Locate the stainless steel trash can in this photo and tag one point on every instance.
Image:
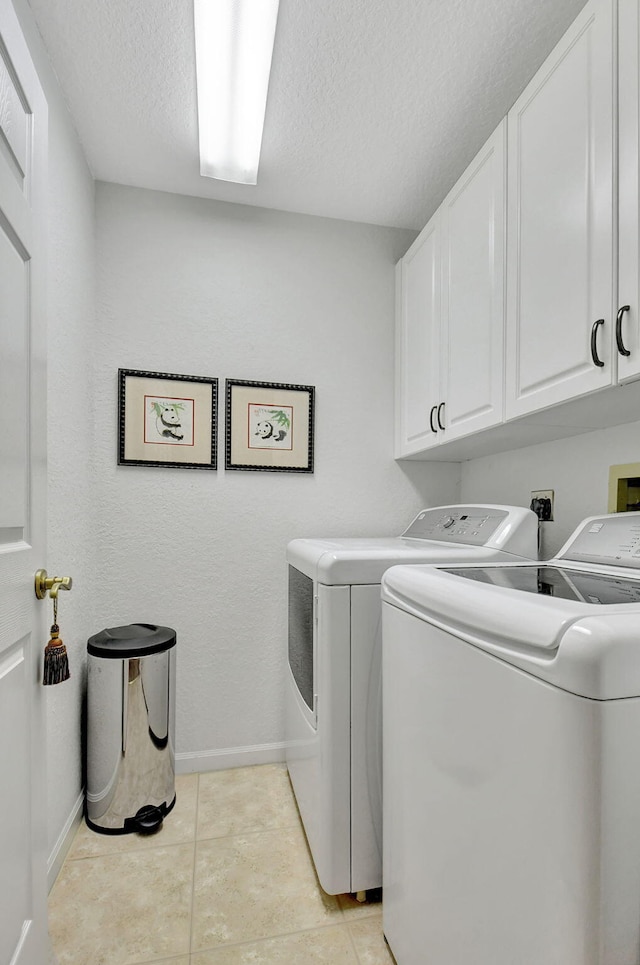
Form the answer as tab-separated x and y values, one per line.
130	728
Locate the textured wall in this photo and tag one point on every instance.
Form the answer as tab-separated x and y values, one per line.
71	548
577	469
207	288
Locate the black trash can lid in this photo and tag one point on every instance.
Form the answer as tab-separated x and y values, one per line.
134	640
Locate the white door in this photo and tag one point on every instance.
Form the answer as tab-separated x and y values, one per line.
473	256
627	334
417	343
23	153
560	221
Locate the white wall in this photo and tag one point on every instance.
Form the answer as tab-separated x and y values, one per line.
206	288
71	546
577	469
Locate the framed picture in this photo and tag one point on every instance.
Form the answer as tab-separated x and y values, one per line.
269	426
166	420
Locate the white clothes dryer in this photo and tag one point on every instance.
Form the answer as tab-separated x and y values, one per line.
333	682
512	757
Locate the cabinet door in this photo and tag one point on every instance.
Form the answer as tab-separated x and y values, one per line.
417	357
627	335
473	255
560	221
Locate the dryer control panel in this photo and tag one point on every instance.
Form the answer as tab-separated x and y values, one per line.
474	525
613	540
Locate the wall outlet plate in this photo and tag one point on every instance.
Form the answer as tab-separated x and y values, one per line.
542	504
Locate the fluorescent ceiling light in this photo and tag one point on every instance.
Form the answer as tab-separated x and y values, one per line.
234	44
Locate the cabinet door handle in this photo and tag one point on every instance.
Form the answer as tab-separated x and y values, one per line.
594	348
621	346
440	408
431	414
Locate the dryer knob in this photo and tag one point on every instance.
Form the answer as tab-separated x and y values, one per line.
448	523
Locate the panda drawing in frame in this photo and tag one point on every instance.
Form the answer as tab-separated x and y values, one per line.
267	430
270	427
169	421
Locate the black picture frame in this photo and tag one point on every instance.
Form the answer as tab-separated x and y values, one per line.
166	420
269	426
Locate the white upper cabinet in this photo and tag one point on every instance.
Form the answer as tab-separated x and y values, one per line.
472	333
477	374
560	262
417	354
451	312
627	323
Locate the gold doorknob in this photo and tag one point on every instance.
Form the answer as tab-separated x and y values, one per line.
50	584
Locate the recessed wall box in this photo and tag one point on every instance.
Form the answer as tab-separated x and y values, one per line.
624	488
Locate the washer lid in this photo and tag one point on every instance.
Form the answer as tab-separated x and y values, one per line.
477	609
587	647
585	586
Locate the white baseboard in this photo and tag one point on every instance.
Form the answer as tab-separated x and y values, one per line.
62	845
220	760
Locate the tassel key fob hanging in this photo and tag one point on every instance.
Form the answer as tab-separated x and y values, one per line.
56	661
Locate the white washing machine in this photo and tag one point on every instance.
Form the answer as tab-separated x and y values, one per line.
512	757
333	684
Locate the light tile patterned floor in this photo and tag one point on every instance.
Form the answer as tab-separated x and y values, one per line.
228	880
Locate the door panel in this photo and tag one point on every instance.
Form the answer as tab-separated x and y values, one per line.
14	760
14	119
13	388
23	139
473	293
629	188
417	349
560	204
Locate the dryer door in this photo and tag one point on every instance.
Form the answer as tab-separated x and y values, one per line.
301	625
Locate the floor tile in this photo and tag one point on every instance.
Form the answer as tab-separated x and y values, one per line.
123	909
323	946
127	900
256	886
179	826
245	799
369	942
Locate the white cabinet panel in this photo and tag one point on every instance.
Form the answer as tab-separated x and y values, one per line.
628	321
417	353
451	312
473	257
560	221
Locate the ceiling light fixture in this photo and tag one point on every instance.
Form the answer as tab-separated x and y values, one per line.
234	45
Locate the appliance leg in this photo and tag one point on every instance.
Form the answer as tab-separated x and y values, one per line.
361	896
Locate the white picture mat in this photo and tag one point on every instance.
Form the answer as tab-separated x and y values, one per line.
136	388
242	396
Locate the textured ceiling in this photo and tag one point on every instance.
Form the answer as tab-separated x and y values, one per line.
375	106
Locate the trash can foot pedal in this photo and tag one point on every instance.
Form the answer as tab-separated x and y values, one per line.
147	820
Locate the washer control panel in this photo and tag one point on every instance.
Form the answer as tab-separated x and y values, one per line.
474	525
614	540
